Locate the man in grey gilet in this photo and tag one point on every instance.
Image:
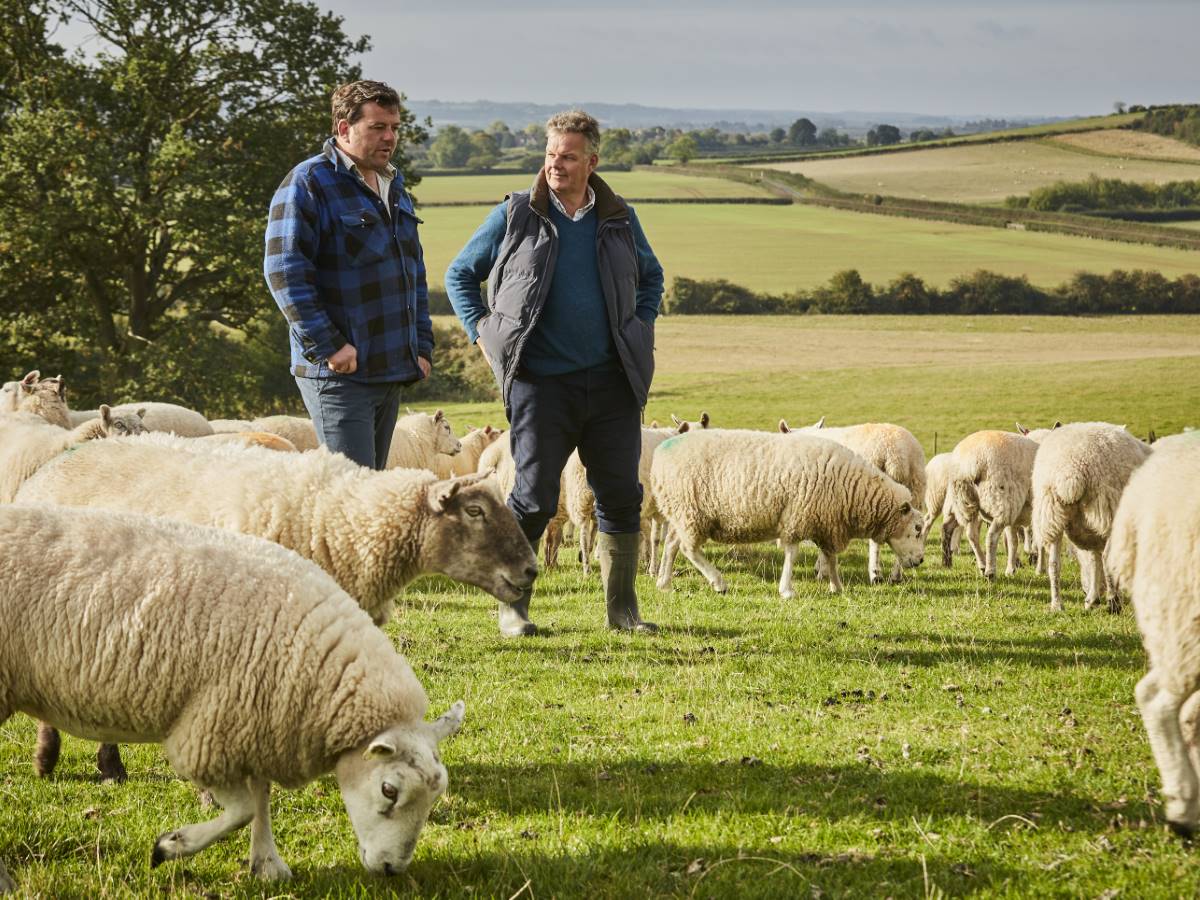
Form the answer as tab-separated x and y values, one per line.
568	329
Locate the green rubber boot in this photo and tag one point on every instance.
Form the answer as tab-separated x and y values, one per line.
618	570
514	617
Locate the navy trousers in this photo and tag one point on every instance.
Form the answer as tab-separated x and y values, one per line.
594	410
351	418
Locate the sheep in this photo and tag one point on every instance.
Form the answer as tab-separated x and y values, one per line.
937	489
298	430
497	458
170	418
45	398
1153	555
26	447
799	488
1078	475
993	482
372	531
229	426
466	461
418	439
890	448
264	439
247	663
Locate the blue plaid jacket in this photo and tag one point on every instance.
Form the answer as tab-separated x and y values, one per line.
341	271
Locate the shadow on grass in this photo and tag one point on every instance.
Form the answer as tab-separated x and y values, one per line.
1122	652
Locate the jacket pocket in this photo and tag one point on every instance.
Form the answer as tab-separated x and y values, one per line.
364	237
638	337
513	296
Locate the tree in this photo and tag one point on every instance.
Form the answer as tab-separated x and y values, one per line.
451	148
778	135
485	151
135	181
682	149
802	133
883	136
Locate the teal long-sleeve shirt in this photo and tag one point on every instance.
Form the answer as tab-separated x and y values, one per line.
572	332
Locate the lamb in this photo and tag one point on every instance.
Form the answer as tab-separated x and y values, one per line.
247	663
890	448
466	461
497	458
1153	555
165	417
993	482
800	488
418	439
372	531
26	447
937	489
298	430
1078	476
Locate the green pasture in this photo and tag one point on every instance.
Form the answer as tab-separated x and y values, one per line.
641	183
785	248
941	737
981	173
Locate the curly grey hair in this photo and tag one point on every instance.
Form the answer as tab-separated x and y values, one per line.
576	121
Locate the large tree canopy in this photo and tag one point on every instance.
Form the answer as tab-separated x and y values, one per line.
135	175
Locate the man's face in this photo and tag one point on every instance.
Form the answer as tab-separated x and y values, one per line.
371	140
568	163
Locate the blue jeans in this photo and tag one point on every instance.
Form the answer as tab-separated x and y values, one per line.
354	419
594	410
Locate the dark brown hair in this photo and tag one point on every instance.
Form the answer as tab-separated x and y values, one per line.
349	99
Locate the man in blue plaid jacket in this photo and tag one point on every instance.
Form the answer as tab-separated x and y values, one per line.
344	263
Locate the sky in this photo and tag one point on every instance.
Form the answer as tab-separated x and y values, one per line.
964	58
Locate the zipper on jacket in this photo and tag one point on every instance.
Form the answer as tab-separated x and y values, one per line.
543	290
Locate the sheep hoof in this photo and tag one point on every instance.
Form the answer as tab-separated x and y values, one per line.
1114	605
1185	830
788	594
270	868
990	576
721	588
875	578
160	854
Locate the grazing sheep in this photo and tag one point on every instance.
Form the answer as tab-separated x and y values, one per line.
1078	475
247	663
26	447
1153	555
372	531
993	482
497	458
937	490
890	448
297	429
418	439
466	461
263	439
169	418
799	488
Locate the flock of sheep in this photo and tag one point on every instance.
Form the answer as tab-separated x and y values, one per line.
286	557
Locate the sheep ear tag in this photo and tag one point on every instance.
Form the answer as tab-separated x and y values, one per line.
449	722
380	747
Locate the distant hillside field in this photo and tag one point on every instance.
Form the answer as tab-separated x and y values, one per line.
783	248
985	173
1131	144
637	184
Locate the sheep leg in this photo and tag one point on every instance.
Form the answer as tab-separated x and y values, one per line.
874	566
49	745
1189	723
697	558
1040	567
238	806
951	535
265	861
993	541
786	591
1091	576
1053	551
108	761
667	569
830	564
1011	545
973	540
585	547
653	536
553	542
1181	788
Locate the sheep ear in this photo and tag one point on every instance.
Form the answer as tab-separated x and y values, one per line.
653	423
820	423
438	416
675	419
905	508
1021	429
1151	437
448	723
1056	425
703	420
380	748
141	412
684	428
783	426
106	414
62	386
441	493
31	378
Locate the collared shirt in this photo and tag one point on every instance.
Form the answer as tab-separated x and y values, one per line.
579	213
384	178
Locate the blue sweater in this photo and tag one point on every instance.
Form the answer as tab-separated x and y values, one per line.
572	332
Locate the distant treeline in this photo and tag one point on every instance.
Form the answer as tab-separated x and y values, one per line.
1174	201
1181	122
982	293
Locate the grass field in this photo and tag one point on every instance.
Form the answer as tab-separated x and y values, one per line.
641	183
942	737
1130	144
784	248
985	173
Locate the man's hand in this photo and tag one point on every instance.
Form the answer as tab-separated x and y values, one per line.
425	365
345	361
486	358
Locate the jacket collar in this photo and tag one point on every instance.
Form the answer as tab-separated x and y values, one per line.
608	204
330	152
